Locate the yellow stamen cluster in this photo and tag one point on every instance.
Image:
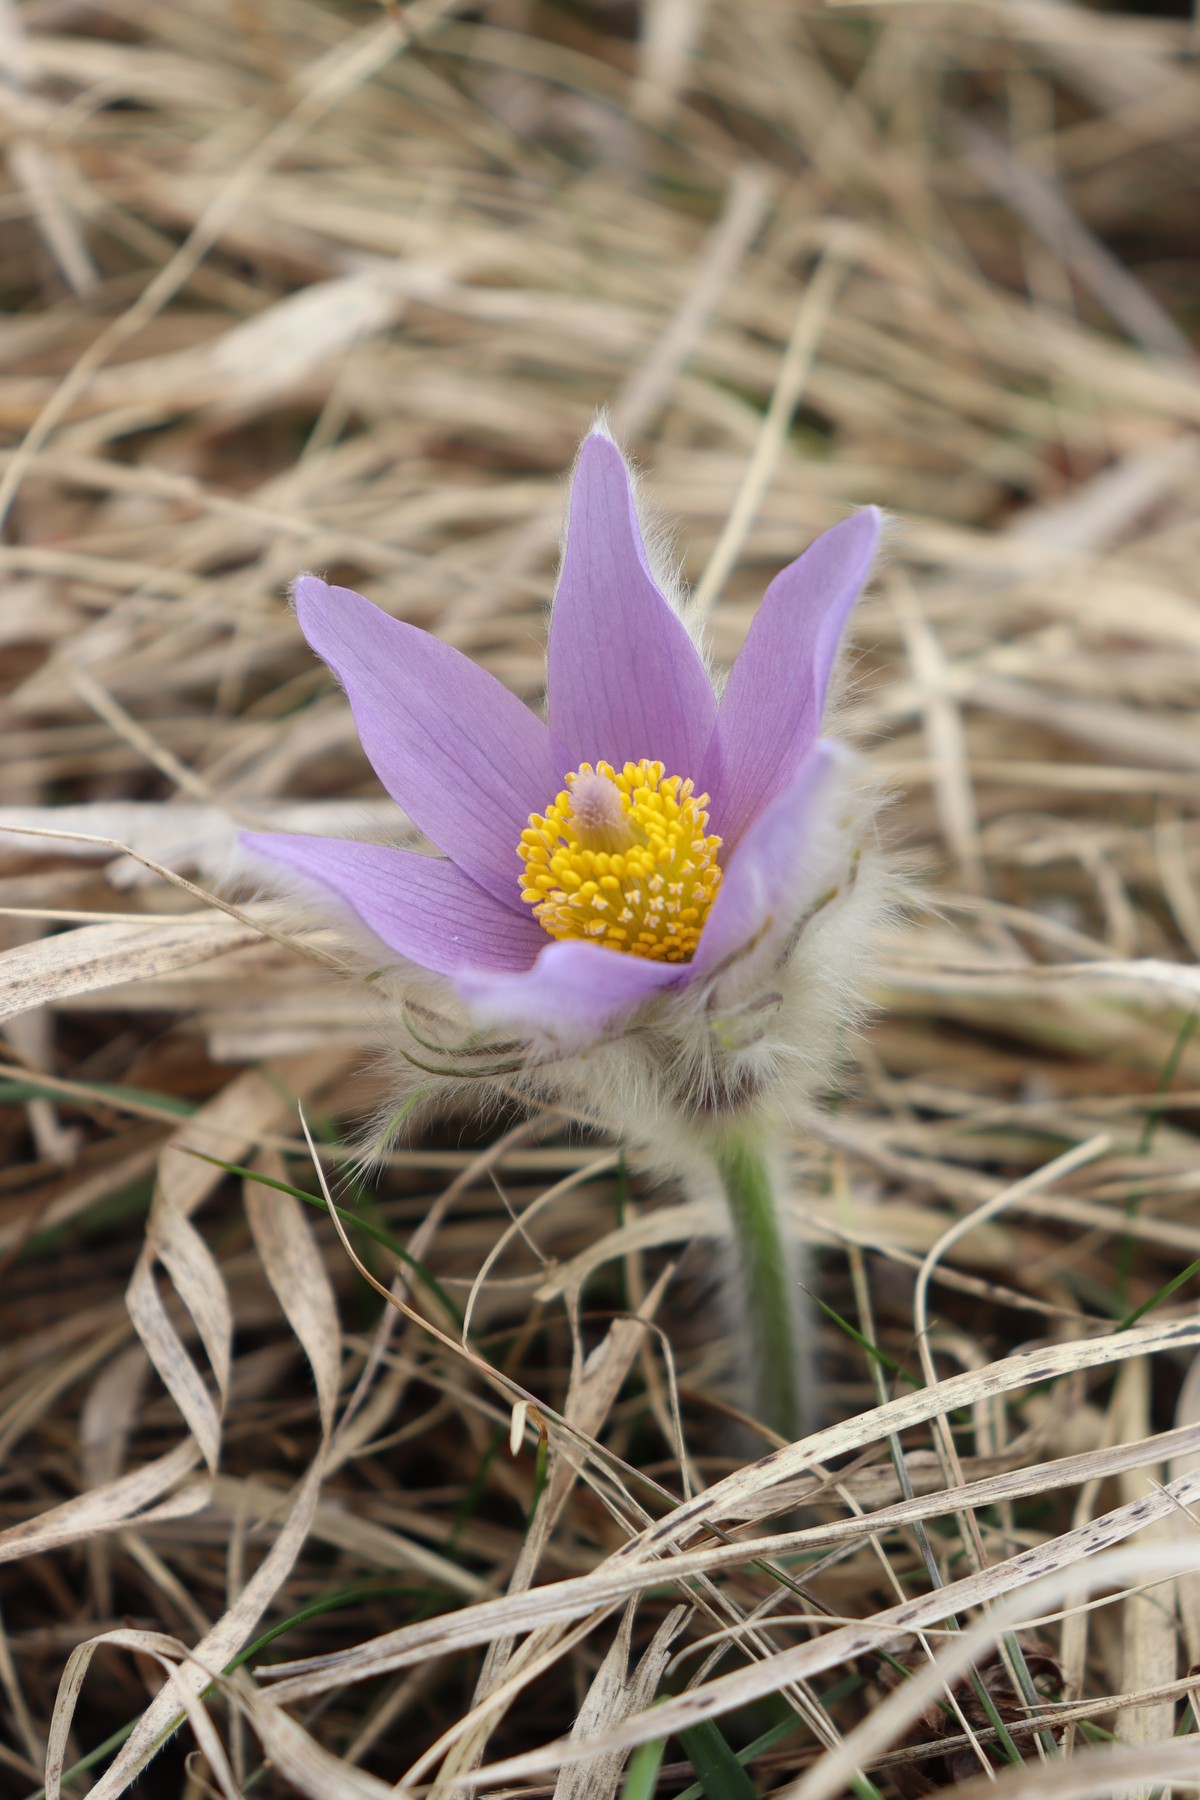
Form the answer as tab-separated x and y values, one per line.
622	858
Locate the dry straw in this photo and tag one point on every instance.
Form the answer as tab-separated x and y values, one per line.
302	285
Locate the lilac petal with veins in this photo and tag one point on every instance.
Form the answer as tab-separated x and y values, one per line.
573	994
771	709
776	871
625	679
420	906
464	758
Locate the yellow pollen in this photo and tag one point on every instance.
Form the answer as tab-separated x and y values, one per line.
622	858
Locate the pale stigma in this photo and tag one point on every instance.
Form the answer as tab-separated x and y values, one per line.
597	815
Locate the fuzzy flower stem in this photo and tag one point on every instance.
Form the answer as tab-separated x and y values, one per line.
771	1294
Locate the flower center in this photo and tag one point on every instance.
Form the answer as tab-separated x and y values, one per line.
622	858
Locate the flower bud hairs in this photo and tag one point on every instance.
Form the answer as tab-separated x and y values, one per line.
653	908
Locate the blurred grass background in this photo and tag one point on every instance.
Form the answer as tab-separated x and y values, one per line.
300	285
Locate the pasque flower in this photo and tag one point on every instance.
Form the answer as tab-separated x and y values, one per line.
654	901
615	864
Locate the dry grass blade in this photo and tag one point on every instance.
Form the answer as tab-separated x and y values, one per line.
1114	1568
615	1693
1150	1627
595	1385
1039	1586
169	1656
641	1562
113	1505
98	956
1094	1775
299	1281
1189	1589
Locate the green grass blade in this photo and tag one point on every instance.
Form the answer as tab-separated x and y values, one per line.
1164	1293
864	1343
720	1773
641	1780
778	1734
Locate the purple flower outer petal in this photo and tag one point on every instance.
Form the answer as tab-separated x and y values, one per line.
463	757
775	872
420	906
574	993
771	708
625	680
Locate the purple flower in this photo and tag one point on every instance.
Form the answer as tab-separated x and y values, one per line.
620	861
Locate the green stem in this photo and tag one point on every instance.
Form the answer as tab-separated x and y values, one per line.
770	1289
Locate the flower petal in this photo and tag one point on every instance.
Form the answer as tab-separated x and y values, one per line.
463	757
574	992
625	679
778	868
771	708
420	906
